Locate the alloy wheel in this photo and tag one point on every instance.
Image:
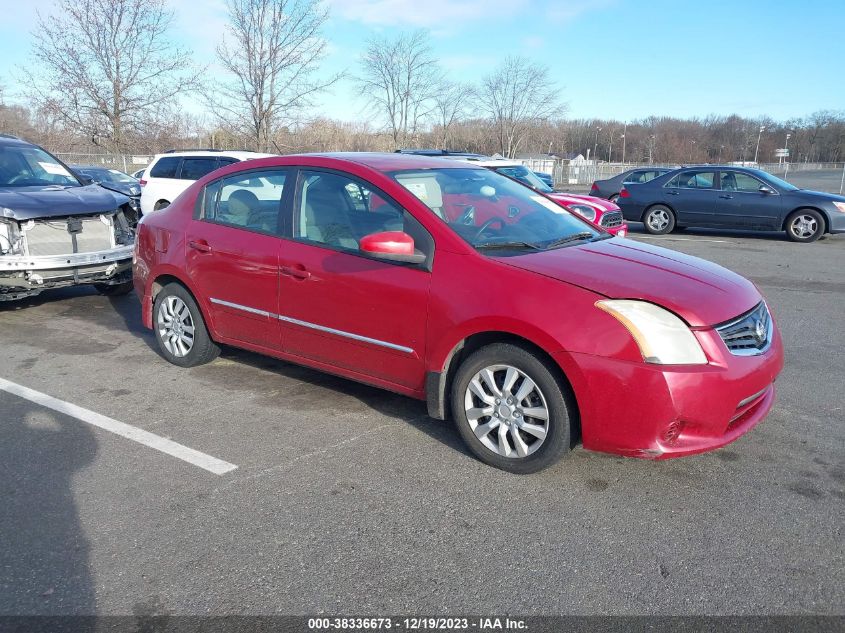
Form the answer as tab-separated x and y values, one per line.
804	226
658	219
175	326
507	411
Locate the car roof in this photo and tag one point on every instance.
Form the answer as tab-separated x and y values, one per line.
239	154
8	139
391	162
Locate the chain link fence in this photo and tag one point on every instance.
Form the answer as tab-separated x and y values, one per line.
125	163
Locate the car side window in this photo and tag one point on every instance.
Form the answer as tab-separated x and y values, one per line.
635	177
737	181
248	200
693	180
222	162
338	211
165	167
196	168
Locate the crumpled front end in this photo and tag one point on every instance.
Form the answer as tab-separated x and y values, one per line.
53	252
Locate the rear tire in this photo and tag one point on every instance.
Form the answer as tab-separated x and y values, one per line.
180	329
114	290
511	409
614	198
659	220
804	226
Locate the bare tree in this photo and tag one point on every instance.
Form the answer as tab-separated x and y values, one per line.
106	67
399	78
271	54
450	103
516	96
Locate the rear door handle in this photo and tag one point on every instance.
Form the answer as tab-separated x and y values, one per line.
200	245
727	197
297	273
672	193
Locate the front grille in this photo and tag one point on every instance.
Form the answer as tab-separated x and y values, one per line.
748	334
611	220
51	237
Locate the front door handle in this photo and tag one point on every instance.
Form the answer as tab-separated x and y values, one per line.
295	272
200	245
672	193
727	197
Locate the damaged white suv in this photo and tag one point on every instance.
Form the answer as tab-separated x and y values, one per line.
57	231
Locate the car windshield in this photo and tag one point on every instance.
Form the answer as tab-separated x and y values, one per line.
23	166
107	175
490	211
525	175
774	180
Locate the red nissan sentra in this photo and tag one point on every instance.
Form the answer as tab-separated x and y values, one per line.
525	323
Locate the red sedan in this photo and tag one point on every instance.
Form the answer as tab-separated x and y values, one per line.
526	324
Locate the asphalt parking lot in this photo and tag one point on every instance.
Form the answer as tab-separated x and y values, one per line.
349	500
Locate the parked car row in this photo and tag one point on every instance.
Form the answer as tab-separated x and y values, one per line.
512	309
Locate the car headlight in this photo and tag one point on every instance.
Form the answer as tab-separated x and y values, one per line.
10	238
662	337
840	206
584	211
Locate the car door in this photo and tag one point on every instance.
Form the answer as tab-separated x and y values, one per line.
692	194
232	254
742	204
340	306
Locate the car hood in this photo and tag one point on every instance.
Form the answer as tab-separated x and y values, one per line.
700	292
816	195
29	203
131	189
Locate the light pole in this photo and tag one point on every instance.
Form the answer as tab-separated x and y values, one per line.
610	147
651	150
596	144
624	132
691	146
721	147
757	149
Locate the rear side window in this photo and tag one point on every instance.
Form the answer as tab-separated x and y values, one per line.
249	200
693	180
635	177
196	168
165	167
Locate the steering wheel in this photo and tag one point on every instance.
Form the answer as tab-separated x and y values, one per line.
487	225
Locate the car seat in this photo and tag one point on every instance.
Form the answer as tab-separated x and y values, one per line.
325	214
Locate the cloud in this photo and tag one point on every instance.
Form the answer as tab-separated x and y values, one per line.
569	10
423	13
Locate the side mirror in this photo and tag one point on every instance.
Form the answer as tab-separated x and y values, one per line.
85	180
765	189
395	246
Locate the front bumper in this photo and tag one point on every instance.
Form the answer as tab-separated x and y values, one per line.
657	412
22	276
837	222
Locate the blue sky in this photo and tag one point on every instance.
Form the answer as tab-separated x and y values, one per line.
623	59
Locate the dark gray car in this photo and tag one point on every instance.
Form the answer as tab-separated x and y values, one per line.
610	187
732	197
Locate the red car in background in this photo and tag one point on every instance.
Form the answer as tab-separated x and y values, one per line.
455	285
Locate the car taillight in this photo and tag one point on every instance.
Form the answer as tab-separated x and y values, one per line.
624	193
142	182
595	187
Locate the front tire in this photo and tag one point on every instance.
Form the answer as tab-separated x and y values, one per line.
161	204
804	226
659	220
510	409
180	329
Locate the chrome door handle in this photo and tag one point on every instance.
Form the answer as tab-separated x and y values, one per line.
727	197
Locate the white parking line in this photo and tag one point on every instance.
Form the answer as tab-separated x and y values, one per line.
174	449
678	239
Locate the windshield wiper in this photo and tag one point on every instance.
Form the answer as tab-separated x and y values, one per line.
508	245
584	235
